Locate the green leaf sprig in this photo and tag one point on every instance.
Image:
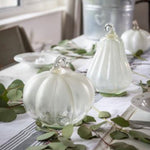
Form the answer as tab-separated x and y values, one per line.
124	134
145	86
66	46
56	138
138	55
114	94
9	104
59	137
49	67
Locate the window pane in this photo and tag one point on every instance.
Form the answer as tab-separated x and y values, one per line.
8	3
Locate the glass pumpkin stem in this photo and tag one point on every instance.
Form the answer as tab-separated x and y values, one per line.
111	32
135	25
109	28
60	61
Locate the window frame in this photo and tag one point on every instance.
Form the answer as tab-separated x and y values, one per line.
29	6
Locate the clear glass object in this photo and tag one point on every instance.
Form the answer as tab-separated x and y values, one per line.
110	71
59	96
97	13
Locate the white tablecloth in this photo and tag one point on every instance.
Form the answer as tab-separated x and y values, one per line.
23	123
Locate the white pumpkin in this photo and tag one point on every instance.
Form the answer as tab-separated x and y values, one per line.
110	71
136	39
59	96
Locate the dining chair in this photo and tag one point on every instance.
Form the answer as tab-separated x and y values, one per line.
13	41
148	2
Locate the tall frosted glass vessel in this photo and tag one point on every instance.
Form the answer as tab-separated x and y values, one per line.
97	13
109	70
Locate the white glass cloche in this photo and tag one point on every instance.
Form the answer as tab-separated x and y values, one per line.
110	71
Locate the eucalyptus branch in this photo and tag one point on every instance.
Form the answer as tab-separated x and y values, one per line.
17	87
102	139
141	75
15	105
95	109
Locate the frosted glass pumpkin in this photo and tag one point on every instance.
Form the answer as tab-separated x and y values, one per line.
136	39
109	70
59	96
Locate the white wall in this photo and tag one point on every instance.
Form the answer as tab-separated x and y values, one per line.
46	28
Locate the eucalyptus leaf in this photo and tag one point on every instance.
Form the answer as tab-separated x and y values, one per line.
45	130
3	102
19	109
17	84
104	114
97	126
3	96
88	119
57	146
63	52
80	51
79	123
84	132
41	147
143	86
45	68
42	128
122	146
46	136
7	115
66	142
79	147
67	131
2	89
140	136
118	135
114	94
53	126
63	42
121	121
38	123
139	52
148	83
53	46
92	52
71	66
14	94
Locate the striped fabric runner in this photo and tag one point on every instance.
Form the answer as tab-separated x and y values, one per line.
27	137
23	139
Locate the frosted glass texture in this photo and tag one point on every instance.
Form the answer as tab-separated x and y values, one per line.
109	70
59	96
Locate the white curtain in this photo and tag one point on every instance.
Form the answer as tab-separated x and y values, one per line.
73	19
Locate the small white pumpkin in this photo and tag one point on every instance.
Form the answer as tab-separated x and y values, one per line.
59	96
136	39
110	71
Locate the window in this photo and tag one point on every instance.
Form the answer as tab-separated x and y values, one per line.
9	8
8	3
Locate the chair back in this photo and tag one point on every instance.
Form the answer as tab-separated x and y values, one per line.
12	42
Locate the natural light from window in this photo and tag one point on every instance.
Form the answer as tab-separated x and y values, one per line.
8	3
10	8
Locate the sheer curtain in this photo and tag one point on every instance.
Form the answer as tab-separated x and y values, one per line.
73	19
